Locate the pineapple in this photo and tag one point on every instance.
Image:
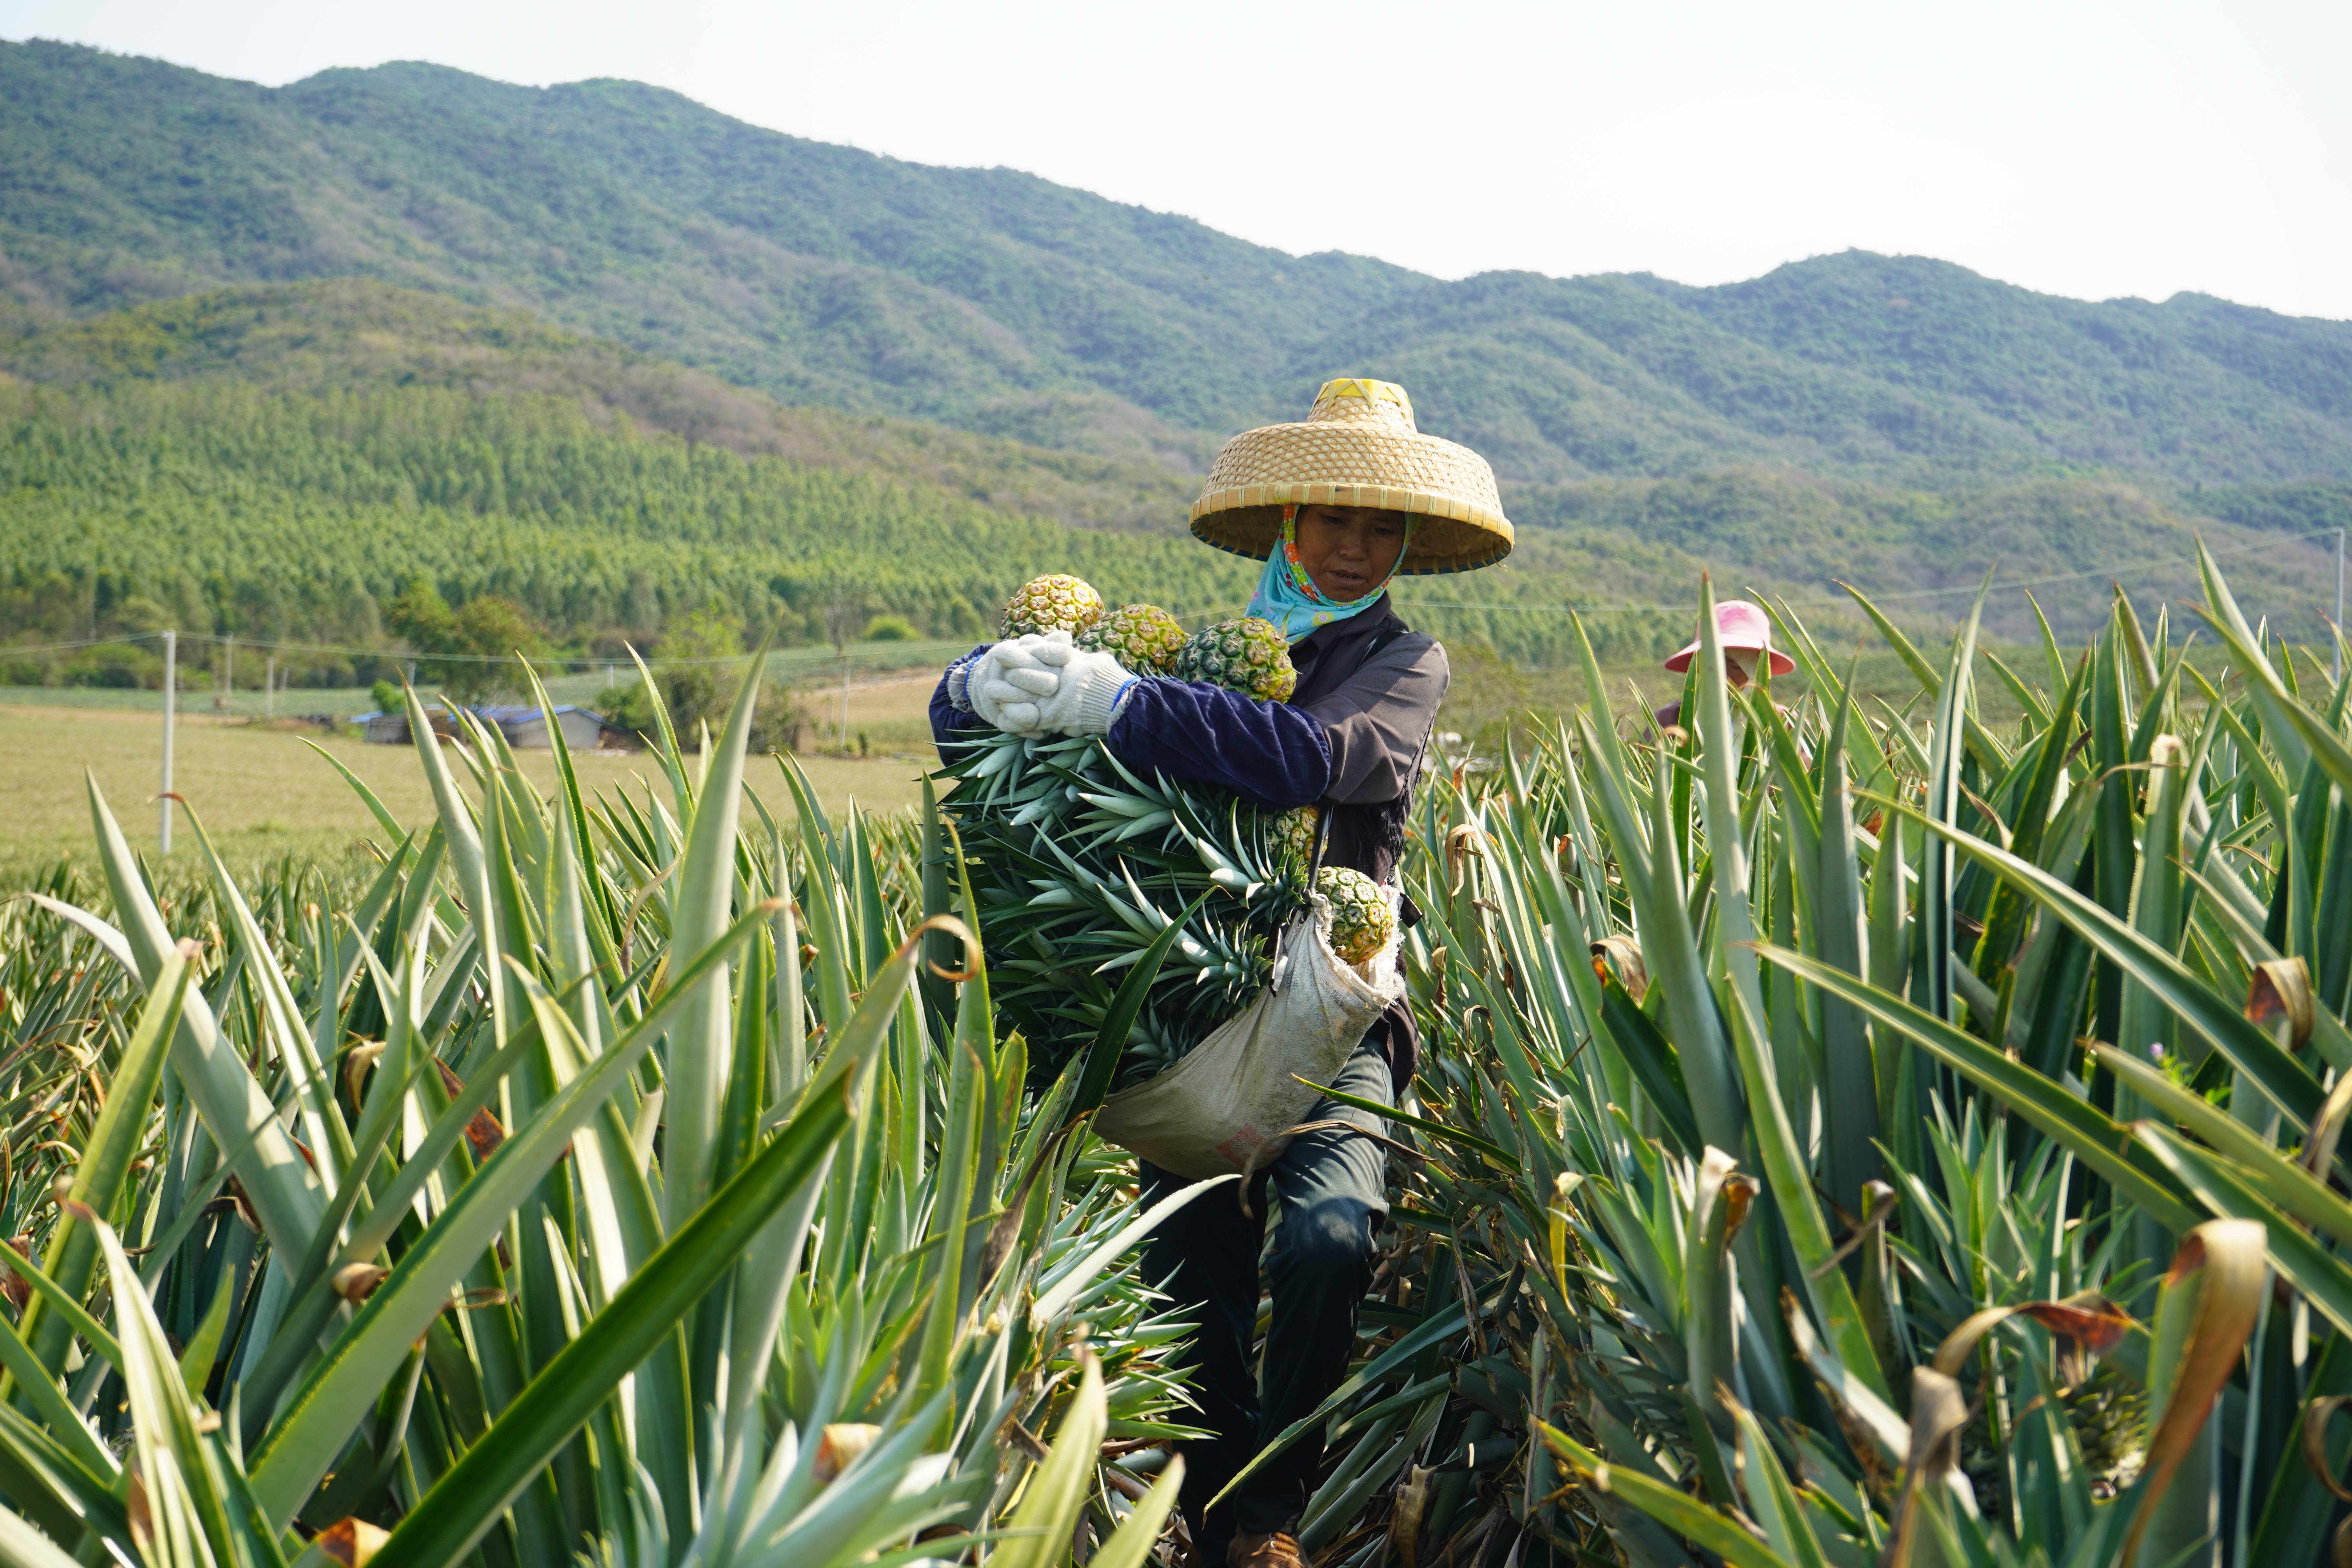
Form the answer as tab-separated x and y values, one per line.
1144	638
1248	656
1057	602
1292	839
1361	920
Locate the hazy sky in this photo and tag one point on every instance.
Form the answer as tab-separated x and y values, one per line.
2082	148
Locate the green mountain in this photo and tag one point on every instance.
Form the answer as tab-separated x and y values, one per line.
614	354
1003	304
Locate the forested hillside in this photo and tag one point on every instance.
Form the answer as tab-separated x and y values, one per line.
1000	303
356	334
301	517
283	462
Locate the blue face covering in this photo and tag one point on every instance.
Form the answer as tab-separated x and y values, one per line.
1287	596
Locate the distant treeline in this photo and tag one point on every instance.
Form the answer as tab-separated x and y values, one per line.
304	517
298	517
222	511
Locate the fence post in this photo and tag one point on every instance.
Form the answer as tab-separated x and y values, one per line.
171	705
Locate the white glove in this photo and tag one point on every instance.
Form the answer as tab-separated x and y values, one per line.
1007	684
1086	698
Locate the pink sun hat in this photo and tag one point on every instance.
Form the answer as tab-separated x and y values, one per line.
1743	627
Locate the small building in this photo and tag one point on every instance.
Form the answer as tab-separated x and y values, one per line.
526	728
383	729
391	729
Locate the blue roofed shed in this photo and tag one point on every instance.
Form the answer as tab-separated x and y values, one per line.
526	728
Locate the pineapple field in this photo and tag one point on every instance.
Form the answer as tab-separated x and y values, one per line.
1848	1133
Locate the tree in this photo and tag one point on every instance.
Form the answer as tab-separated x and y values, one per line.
487	634
697	674
420	617
470	651
844	617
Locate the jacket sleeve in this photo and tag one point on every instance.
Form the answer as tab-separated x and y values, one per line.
1360	742
951	708
1377	724
1265	752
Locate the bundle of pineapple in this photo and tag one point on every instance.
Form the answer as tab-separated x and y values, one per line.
1079	863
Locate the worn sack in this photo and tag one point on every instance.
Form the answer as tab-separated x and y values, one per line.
1225	1104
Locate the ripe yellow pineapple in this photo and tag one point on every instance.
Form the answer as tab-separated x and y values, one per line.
1144	638
1294	839
1057	602
1248	656
1361	920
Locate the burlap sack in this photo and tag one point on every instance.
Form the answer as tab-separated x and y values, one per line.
1234	1093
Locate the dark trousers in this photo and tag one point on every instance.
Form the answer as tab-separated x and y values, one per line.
1332	1198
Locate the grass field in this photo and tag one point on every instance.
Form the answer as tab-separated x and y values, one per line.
263	793
814	671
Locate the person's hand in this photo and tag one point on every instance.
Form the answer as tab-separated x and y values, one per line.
1010	681
1085	699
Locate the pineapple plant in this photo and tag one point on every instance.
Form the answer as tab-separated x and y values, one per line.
1248	656
903	1344
882	1371
1361	920
1144	638
1055	603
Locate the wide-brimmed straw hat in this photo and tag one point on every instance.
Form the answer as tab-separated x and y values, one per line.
1358	446
1740	627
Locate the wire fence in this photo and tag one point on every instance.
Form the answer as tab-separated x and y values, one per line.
2130	569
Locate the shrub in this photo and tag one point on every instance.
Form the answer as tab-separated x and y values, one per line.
628	709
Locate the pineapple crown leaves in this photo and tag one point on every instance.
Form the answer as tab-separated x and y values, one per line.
1226	867
1081	859
984	757
1159	921
1160	788
1040	805
1128	806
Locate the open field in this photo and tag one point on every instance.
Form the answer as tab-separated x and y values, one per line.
816	671
263	793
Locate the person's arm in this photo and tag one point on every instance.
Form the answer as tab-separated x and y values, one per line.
951	705
1265	752
1357	744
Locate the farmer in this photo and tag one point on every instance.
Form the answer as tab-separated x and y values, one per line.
1336	506
1746	633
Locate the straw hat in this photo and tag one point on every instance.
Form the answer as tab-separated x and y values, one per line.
1740	627
1358	446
